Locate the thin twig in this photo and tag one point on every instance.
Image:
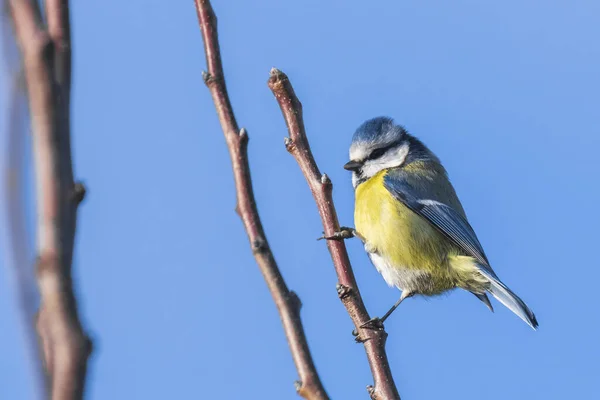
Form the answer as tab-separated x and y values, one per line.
15	239
288	304
47	72
321	188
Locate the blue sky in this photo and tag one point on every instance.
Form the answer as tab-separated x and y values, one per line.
506	93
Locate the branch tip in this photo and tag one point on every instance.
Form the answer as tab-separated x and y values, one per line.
274	72
277	79
325	180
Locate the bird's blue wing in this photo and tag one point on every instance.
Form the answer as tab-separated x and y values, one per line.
430	194
443	217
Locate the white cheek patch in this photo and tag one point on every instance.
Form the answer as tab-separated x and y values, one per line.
401	154
391	159
370	169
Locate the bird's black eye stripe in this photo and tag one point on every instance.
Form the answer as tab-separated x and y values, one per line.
382	150
377	153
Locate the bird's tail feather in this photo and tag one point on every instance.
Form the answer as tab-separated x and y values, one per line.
506	296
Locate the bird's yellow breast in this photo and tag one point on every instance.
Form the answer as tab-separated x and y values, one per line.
403	238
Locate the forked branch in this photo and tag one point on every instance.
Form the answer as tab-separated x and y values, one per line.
321	188
46	57
288	304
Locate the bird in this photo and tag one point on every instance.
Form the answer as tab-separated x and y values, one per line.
412	224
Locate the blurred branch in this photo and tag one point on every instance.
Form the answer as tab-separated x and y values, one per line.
46	56
288	304
15	240
321	188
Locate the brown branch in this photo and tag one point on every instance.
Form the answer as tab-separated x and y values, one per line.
321	188
288	304
59	29
47	71
17	244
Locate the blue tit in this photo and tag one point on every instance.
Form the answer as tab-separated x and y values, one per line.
413	226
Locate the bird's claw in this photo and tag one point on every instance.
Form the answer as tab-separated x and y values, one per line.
374	323
357	337
342	234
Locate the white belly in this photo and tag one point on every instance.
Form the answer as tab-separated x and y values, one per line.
401	277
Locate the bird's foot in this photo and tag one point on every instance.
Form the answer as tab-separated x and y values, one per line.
375	323
342	234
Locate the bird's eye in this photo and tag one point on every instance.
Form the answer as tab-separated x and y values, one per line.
377	153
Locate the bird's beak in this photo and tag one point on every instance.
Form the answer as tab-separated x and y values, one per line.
352	165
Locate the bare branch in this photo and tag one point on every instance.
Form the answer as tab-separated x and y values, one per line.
384	387
65	345
288	304
16	242
59	28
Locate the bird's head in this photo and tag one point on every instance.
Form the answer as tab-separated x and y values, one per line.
378	144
